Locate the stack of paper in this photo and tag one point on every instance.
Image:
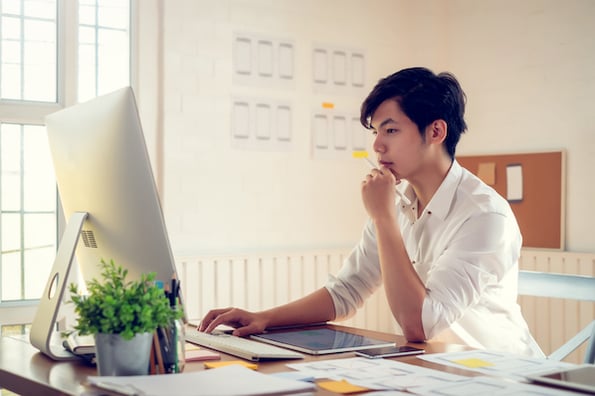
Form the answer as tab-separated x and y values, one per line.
230	380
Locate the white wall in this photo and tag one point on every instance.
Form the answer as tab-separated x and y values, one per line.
527	68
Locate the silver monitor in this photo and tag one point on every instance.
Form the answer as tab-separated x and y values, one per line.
110	202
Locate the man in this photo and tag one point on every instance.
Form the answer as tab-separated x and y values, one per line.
446	249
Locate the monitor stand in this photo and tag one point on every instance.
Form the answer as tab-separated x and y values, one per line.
43	334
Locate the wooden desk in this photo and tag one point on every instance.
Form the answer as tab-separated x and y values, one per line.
24	370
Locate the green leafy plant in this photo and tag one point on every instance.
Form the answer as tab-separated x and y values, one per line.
116	306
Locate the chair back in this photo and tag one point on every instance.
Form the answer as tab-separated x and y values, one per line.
574	287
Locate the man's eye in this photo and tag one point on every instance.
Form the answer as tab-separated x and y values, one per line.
374	133
391	130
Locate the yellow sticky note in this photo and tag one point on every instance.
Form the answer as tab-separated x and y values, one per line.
473	363
230	362
340	387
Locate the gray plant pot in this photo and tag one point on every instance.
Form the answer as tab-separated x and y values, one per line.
117	356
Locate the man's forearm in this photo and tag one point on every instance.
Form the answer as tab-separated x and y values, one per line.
313	308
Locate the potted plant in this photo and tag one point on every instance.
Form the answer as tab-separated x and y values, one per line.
122	316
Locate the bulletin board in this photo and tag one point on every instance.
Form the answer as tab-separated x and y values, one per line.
534	185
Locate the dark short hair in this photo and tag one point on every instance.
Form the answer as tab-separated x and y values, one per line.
424	97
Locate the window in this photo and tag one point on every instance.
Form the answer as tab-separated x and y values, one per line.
35	52
104	47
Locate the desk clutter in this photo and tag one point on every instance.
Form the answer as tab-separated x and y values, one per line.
501	375
444	370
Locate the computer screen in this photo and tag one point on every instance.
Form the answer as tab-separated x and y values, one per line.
103	170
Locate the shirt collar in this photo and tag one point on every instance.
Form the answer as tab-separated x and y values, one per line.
440	203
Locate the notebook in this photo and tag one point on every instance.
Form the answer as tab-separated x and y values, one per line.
320	341
79	344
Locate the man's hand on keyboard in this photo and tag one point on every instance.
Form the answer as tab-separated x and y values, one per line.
244	322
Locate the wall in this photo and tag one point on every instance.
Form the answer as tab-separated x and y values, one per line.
529	68
526	67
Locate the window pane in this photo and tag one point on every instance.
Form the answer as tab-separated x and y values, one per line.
11	28
40	8
11	52
38	263
11	81
39	67
36	30
40	230
29	50
104	49
10	166
39	182
11	6
11	232
87	72
87	14
40	84
113	66
87	36
113	14
11	276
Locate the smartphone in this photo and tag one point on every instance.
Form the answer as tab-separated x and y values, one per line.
390	351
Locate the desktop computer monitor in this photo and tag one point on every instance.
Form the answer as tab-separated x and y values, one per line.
109	198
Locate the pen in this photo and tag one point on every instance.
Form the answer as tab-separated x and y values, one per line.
173	292
369	161
405	200
173	298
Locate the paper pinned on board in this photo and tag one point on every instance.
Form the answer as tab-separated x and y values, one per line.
514	182
486	171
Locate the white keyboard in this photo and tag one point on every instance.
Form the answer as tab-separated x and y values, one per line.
238	346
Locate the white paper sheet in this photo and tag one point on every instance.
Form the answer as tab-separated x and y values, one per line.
489	386
496	363
229	380
514	182
376	374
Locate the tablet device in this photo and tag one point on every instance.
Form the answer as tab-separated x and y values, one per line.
387	352
320	341
581	378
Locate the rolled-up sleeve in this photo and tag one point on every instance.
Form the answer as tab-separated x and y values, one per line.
478	257
358	278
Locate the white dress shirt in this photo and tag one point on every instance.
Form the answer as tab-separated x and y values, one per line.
465	248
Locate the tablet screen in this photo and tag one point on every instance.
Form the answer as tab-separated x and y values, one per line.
580	378
321	341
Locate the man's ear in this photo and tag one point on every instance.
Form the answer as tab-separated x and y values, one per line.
438	131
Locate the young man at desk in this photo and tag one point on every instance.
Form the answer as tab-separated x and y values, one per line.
444	244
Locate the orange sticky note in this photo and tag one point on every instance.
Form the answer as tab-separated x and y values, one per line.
210	365
342	387
473	363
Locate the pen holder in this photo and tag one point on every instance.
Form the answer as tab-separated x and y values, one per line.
169	343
